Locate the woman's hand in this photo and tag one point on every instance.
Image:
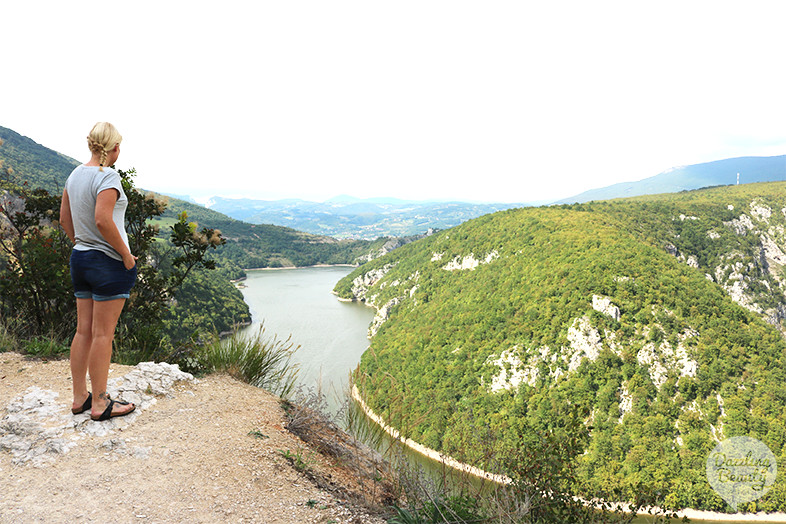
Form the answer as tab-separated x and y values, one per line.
129	261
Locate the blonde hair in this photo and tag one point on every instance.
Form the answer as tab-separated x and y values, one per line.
102	139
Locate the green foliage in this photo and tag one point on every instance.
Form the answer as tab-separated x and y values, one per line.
163	268
257	434
451	510
45	347
430	366
32	163
203	303
296	458
255	359
34	275
264	245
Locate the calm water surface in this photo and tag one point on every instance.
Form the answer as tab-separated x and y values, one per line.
331	334
298	302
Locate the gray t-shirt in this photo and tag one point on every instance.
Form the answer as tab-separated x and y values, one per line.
83	186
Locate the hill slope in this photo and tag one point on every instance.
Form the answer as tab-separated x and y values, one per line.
38	165
654	320
721	172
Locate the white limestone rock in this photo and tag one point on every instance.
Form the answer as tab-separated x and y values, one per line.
626	401
361	284
604	305
662	358
741	225
382	315
585	342
38	427
469	262
516	368
761	212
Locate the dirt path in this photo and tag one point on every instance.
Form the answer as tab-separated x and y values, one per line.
212	450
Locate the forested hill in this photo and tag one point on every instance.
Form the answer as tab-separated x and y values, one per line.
30	161
657	322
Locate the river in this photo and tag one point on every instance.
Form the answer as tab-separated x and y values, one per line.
332	334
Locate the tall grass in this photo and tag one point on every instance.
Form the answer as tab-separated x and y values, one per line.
8	341
256	359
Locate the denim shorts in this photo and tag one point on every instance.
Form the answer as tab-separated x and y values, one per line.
96	275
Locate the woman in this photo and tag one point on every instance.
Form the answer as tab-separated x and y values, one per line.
103	270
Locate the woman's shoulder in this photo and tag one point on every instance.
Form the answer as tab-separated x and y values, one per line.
93	177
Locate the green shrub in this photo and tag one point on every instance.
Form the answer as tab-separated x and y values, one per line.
45	347
255	359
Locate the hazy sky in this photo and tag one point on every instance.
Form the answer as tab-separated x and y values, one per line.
510	101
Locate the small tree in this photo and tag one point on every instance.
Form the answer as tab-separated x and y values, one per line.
34	275
162	266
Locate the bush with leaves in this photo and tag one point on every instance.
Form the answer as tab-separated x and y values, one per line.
34	275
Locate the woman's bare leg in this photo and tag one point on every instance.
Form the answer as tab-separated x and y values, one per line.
80	350
105	316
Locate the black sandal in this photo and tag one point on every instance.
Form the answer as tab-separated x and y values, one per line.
107	414
87	405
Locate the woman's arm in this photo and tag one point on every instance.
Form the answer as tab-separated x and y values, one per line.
105	205
66	220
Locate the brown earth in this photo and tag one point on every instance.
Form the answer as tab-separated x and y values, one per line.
216	451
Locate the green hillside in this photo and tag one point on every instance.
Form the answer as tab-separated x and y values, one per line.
657	320
266	245
34	163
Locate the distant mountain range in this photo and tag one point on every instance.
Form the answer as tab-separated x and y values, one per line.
349	217
718	173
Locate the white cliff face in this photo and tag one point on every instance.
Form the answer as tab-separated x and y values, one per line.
513	371
517	365
362	283
467	262
382	315
683	218
585	342
757	275
761	212
772	254
604	305
661	358
626	401
384	311
741	225
717	431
